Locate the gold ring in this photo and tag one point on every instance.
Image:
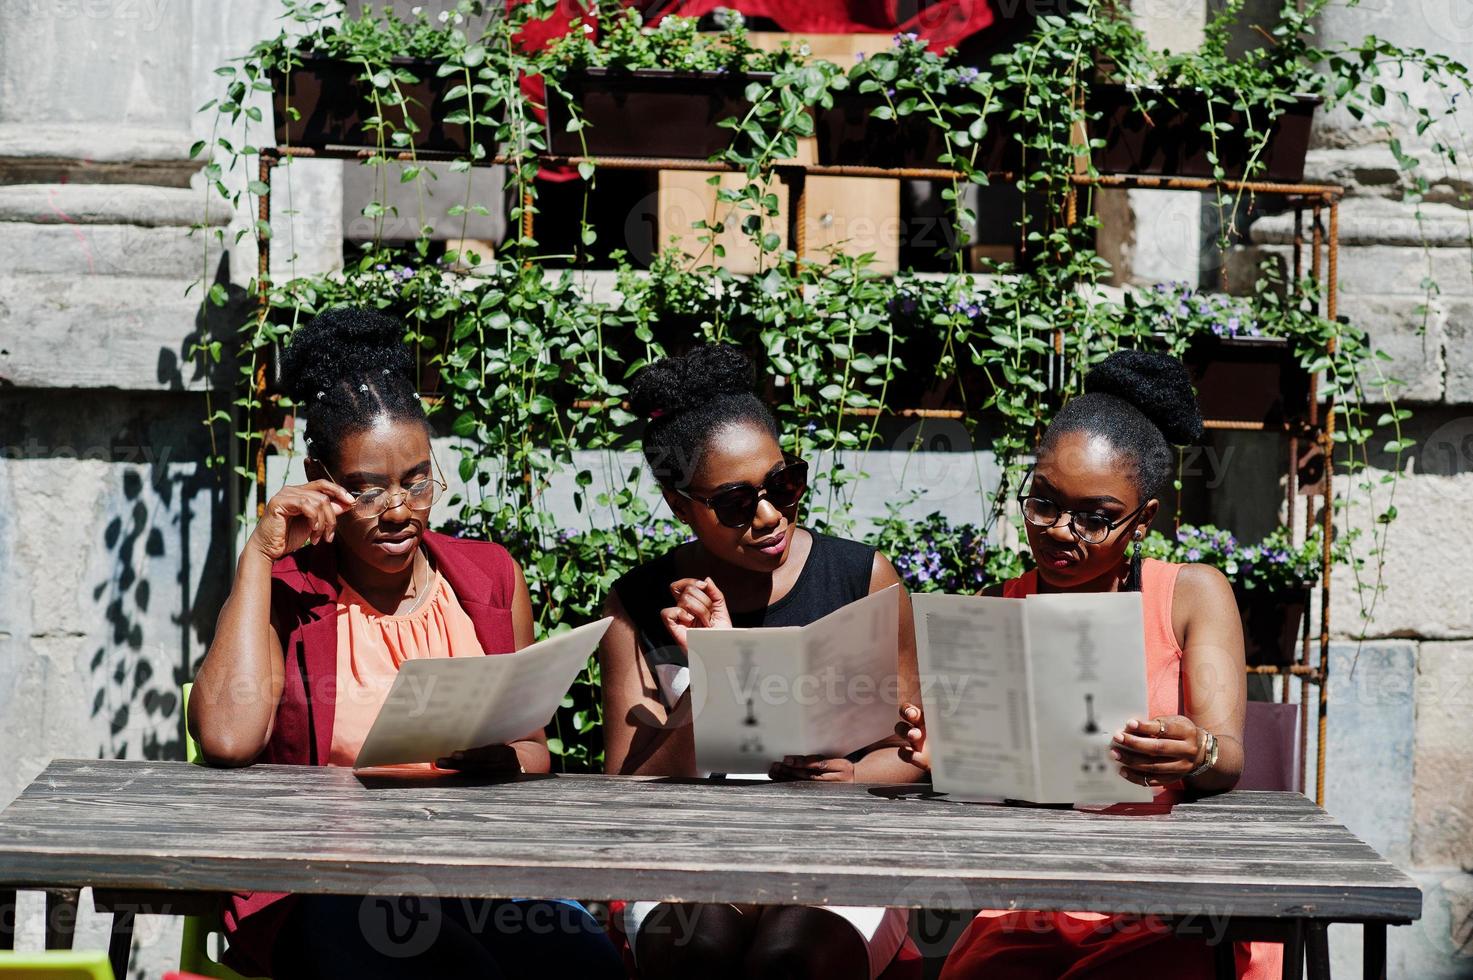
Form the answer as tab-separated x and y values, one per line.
1162	733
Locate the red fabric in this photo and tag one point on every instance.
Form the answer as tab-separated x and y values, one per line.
304	592
1027	945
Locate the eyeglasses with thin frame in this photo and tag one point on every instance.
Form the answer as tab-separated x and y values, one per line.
373	501
1089	528
736	506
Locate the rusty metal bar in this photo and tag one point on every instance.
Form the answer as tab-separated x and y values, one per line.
1146	182
584	405
1298	242
1327	436
1287	670
254	414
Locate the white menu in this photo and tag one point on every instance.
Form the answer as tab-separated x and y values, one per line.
1029	693
450	704
828	688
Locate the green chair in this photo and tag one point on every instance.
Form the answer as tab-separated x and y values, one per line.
194	945
55	964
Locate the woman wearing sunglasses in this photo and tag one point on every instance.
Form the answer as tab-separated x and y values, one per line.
339	583
713	446
1102	465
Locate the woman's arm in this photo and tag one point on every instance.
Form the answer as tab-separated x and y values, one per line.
531	749
641	737
232	706
888	760
1214	685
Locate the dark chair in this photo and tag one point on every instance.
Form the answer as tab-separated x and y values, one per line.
1271	747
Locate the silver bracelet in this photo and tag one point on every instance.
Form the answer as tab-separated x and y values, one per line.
1210	759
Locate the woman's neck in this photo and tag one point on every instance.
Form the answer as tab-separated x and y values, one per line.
1112	581
745	589
387	591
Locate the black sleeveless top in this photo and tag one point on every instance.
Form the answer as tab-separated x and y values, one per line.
836	573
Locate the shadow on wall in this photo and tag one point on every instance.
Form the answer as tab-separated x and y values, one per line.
167	548
136	520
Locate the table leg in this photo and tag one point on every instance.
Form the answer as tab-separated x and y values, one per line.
1224	964
1317	945
1375	951
1294	953
61	917
120	943
7	918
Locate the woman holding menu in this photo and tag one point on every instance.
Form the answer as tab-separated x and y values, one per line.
713	446
339	584
1102	465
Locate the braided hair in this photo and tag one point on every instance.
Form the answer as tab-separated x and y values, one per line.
687	400
1142	403
345	370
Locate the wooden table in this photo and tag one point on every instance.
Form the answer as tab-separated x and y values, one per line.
1276	864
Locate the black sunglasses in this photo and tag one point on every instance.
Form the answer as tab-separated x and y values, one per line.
736	506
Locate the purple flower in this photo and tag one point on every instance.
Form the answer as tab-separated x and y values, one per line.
968	75
859	56
1194	554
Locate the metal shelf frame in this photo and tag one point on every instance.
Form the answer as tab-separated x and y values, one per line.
1322	201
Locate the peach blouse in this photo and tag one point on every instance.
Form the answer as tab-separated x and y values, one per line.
372	645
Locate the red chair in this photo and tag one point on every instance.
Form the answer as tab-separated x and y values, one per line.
1270	747
908	963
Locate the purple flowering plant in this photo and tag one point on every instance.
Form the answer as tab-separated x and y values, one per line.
1275	564
934	555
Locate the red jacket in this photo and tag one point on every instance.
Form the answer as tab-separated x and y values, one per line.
304	593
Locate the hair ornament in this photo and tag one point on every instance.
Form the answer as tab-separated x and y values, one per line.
320	395
363	387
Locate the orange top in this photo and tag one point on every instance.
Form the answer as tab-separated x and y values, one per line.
372	645
1078	945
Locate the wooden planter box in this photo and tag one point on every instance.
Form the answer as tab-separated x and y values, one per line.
1166	139
849	135
1248	379
647	113
334	101
1272	624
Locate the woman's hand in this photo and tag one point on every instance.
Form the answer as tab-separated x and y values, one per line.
488	760
912	728
698	603
815	768
1162	750
299	514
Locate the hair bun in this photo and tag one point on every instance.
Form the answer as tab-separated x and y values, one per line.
673	385
1158	385
341	346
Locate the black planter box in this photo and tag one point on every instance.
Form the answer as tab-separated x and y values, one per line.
1248	379
849	135
1167	139
334	102
1272	624
647	113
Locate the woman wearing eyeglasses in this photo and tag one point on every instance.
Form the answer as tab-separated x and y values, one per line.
713	446
1102	465
340	583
